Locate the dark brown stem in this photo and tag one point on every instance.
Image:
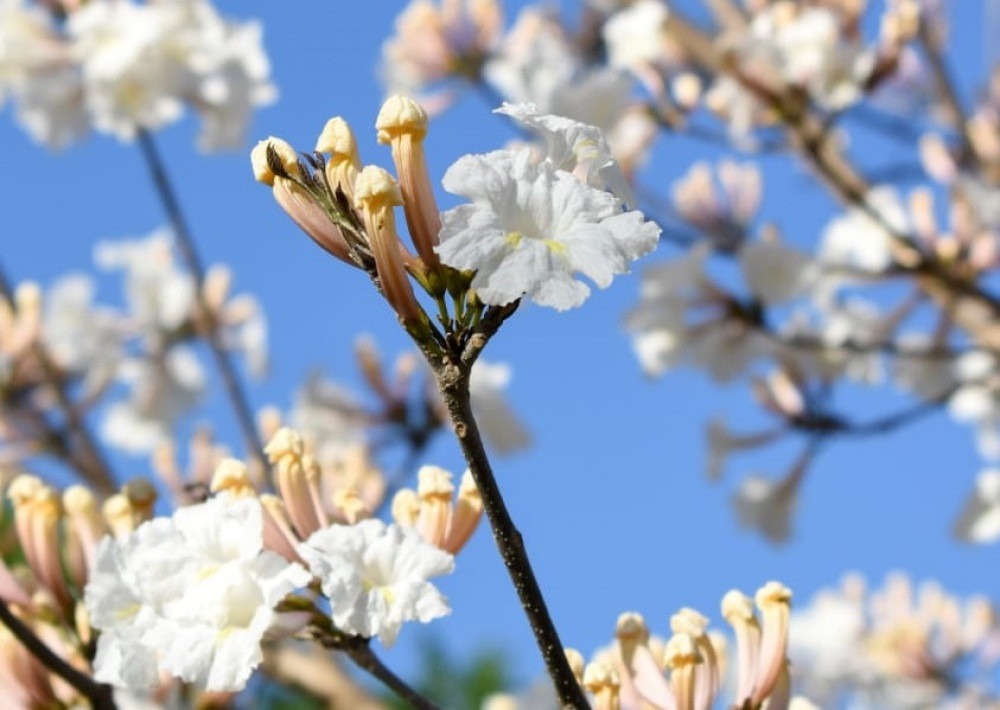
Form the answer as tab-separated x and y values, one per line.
101	697
76	443
363	656
189	253
454	382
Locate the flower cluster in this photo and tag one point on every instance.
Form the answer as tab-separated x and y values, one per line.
119	67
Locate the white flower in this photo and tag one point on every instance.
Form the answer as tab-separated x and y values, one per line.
979	520
635	35
575	147
375	576
159	295
774	272
503	430
766	506
162	390
855	239
531	228
190	596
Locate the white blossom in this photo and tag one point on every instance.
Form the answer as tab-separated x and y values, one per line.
635	35
375	576
766	506
979	520
856	239
774	272
504	432
191	596
531	228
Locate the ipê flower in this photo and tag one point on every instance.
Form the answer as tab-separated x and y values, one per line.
375	576
190	596
532	227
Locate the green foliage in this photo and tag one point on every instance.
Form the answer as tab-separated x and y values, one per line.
461	683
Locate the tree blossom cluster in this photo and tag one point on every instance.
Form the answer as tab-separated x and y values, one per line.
182	597
119	67
896	289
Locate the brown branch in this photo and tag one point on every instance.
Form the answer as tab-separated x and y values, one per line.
189	253
76	444
101	697
954	109
453	380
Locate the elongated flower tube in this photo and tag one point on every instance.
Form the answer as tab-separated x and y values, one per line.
37	514
603	682
773	600
737	609
344	162
376	194
295	480
296	200
707	681
402	123
683	660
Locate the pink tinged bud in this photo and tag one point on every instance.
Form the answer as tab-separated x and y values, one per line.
708	678
649	680
602	681
682	657
232	476
36	519
936	158
278	534
311	218
350	505
402	123
576	663
259	161
406	508
286	451
780	697
343	163
774	602
737	609
434	489
24	681
465	517
375	195
370	364
83	522
11	589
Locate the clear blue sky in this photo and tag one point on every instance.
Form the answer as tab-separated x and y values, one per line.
612	501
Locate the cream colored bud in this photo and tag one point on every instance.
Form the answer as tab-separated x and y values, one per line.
401	115
258	159
576	663
28	298
142	495
688	621
434	483
351	504
232	475
79	500
286	442
598	676
686	88
24	488
337	140
773	593
376	189
406	507
631	626
117	512
737	606
681	650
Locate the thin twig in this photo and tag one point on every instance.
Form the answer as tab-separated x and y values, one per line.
948	93
365	658
101	697
189	252
76	444
454	383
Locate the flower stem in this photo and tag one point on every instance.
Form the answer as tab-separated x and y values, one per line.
454	383
189	253
100	696
363	656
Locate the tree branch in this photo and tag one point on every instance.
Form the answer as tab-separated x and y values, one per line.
189	253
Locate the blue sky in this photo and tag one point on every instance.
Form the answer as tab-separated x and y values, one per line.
612	501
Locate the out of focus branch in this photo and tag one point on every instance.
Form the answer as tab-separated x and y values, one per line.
189	252
75	443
